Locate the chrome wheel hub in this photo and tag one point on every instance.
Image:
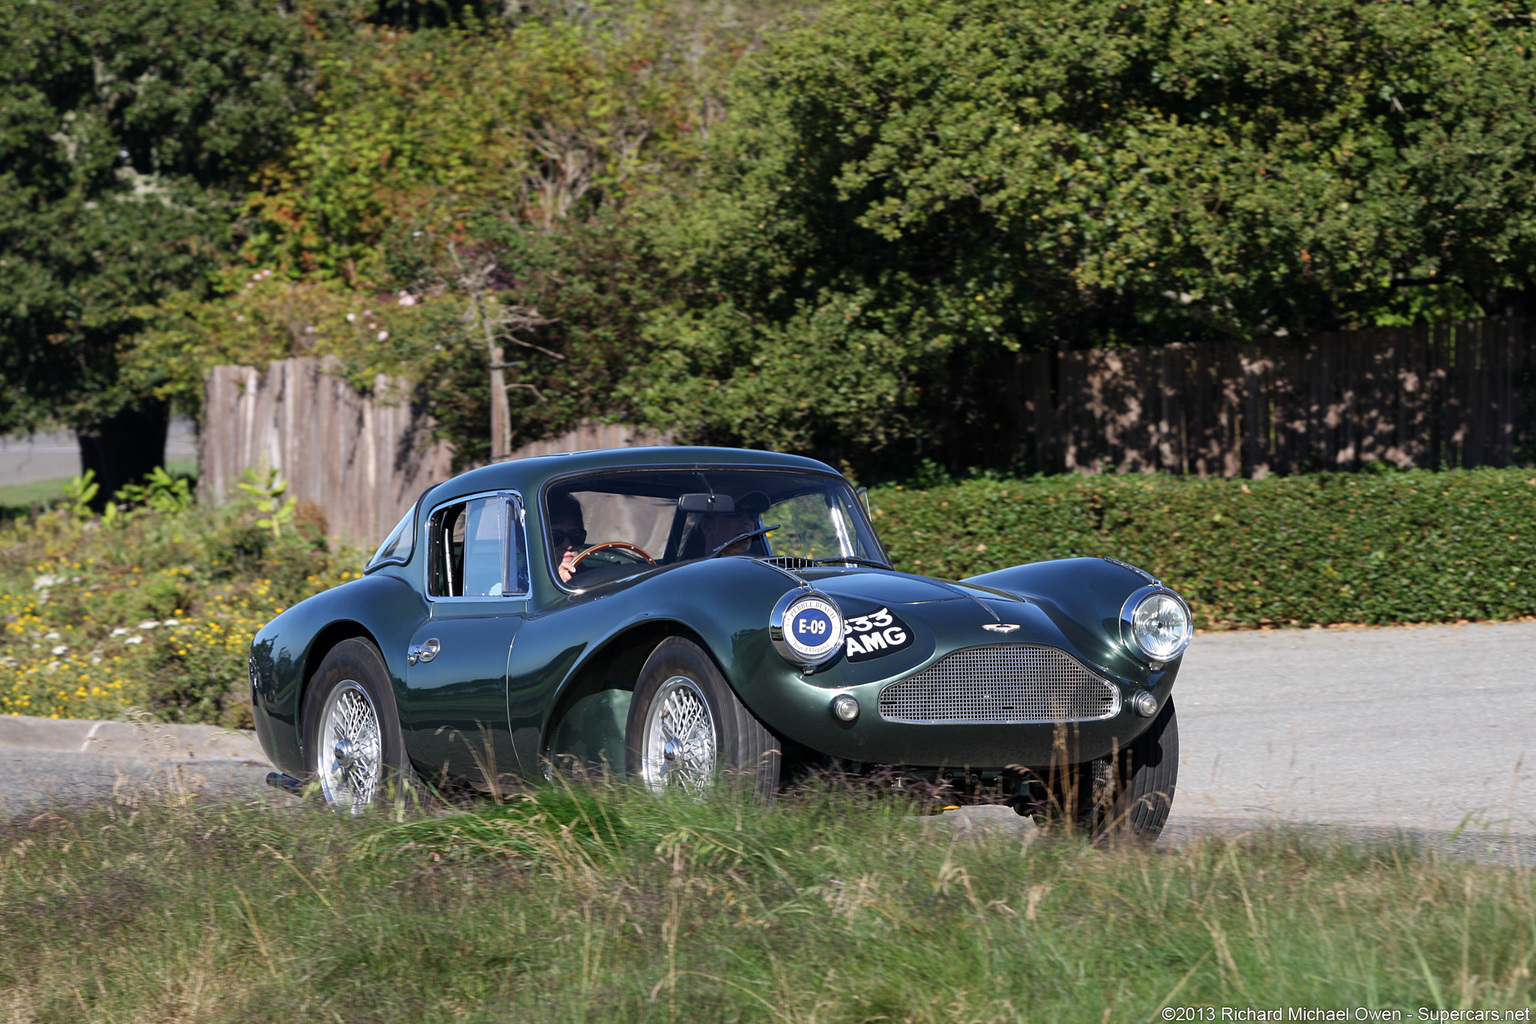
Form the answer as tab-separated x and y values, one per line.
351	756
679	743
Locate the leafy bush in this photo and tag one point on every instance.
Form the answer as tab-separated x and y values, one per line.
1369	548
149	607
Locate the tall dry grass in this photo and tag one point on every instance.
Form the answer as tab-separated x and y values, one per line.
832	904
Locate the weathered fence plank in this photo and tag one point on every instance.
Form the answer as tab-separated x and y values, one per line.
360	459
1452	395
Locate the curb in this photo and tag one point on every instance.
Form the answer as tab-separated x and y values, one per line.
145	740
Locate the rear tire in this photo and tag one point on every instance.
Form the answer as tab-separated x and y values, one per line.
352	740
686	727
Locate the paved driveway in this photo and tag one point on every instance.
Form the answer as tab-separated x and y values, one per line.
1430	729
1425	727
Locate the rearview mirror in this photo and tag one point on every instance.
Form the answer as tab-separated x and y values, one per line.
722	503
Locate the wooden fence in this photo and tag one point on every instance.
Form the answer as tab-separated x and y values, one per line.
362	460
1451	395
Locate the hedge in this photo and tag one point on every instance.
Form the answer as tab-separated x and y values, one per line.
1370	548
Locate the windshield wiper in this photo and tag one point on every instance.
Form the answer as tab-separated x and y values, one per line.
849	560
746	536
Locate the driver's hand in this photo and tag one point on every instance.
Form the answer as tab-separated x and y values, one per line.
565	568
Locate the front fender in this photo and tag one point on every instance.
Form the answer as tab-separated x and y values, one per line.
1083	596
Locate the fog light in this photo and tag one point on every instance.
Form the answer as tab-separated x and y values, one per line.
845	708
1145	704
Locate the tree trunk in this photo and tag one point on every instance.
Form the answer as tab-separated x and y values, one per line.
122	449
501	409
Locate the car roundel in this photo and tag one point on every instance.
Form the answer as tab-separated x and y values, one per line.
812	629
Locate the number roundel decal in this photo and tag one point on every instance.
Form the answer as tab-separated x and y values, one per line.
813	628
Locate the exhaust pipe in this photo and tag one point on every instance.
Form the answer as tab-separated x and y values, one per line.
286	783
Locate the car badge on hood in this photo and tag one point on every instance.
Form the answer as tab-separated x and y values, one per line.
1001	627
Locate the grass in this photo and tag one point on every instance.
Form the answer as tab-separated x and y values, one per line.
20	499
832	904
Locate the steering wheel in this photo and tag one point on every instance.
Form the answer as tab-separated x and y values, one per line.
634	551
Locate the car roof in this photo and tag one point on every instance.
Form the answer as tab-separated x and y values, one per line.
528	475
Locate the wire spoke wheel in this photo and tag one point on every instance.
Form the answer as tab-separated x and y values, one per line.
679	744
350	748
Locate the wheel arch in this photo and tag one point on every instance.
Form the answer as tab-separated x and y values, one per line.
611	668
324	642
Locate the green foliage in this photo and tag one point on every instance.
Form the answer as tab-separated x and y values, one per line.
264	490
906	192
161	492
153	609
455	169
1366	548
831	904
546	122
80	491
127	130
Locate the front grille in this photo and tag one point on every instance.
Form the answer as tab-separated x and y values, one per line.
1001	684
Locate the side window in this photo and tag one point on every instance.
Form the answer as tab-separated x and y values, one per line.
474	549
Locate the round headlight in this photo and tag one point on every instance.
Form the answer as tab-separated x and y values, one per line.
807	628
1160	625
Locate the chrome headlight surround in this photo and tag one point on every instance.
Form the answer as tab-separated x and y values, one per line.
806	628
1155	624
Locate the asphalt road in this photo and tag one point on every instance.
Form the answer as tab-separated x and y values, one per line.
25	460
46	763
1430	729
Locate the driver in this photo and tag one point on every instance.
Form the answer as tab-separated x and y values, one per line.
567	534
719	528
722	527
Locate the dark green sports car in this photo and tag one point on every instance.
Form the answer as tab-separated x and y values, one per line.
679	613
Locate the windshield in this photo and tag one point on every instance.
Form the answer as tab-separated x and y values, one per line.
613	524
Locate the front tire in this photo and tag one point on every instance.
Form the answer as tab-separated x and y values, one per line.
686	726
1134	791
1121	797
352	740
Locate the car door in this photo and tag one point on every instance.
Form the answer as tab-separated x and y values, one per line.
456	676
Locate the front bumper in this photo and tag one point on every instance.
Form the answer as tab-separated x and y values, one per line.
805	716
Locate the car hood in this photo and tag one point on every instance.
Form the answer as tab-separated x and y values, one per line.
943	615
887	587
1072	604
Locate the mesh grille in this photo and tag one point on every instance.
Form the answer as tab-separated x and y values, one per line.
1002	684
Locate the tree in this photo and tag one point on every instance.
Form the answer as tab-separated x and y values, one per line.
908	192
128	132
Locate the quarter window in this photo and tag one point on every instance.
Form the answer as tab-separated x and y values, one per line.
396	549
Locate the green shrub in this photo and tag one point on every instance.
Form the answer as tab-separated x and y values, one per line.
150	608
1369	548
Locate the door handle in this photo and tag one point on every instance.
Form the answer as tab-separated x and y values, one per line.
424	652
